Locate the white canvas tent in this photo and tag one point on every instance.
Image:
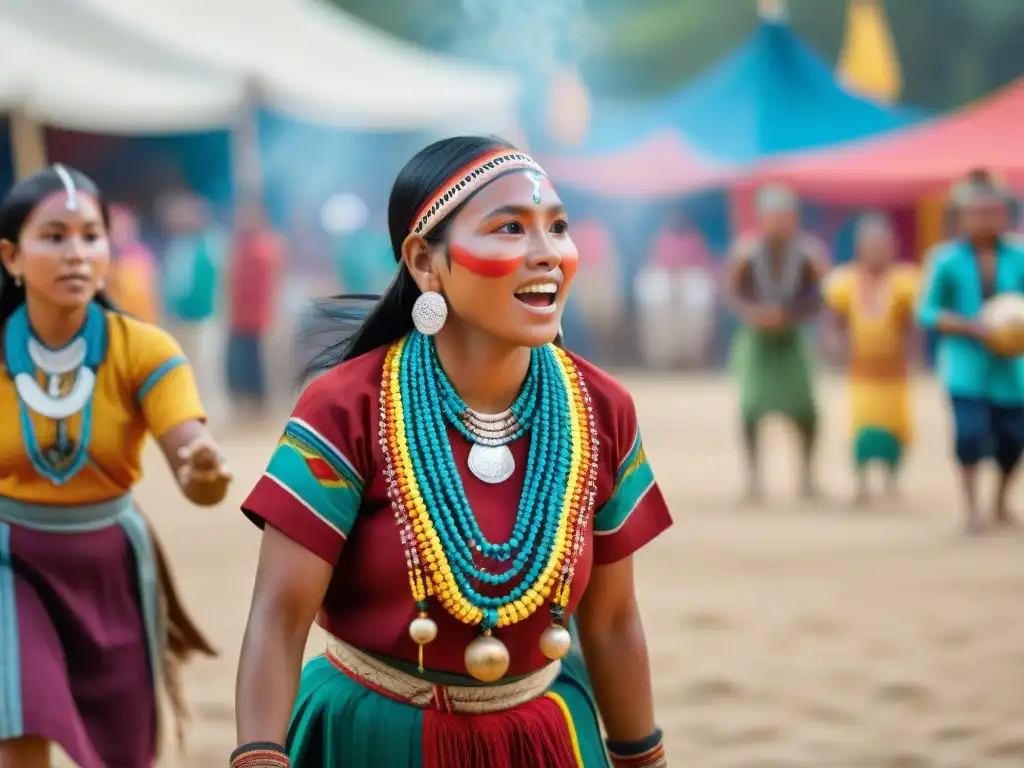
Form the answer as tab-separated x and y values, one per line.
323	65
60	70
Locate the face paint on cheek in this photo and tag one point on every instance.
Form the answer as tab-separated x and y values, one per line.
483	267
569	266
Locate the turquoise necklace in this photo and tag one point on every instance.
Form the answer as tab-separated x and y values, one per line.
26	358
431	404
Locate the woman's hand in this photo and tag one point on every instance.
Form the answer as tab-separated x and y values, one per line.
203	473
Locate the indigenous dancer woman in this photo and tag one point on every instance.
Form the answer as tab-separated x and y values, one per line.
873	302
986	390
772	284
445	499
90	625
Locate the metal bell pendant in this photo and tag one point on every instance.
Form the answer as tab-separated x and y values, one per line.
487	658
555	642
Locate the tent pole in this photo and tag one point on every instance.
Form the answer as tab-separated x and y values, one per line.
246	155
28	144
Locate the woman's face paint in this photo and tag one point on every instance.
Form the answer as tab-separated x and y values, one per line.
63	253
570	263
537	180
492	267
511	260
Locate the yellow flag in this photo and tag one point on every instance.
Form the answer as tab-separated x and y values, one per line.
868	62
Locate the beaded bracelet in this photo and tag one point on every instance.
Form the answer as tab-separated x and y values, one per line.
644	753
260	754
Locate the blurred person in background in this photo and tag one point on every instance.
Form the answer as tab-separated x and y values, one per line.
446	650
594	313
195	253
986	390
253	281
133	283
363	259
872	304
677	294
91	624
772	284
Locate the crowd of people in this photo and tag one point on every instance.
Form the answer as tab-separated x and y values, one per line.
199	278
876	310
457	498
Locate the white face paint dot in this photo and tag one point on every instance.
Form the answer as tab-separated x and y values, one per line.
536	178
69	186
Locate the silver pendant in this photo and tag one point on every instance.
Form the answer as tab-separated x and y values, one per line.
492	464
56	408
57	362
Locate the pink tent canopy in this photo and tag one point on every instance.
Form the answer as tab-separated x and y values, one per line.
662	165
904	166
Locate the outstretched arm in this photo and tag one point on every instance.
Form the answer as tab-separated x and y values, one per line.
168	399
197	463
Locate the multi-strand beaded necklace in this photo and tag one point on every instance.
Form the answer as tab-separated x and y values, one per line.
440	534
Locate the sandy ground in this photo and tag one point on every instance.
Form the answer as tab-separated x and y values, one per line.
789	636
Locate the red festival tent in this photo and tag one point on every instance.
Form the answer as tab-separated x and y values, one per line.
663	164
902	167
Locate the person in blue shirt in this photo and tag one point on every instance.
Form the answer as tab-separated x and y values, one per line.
986	390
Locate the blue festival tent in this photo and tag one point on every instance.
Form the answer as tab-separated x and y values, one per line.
771	95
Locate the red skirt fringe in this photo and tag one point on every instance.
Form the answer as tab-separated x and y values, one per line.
533	735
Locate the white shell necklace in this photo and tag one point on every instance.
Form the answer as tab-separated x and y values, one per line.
490	458
55	364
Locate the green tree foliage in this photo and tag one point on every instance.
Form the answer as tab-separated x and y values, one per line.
951	51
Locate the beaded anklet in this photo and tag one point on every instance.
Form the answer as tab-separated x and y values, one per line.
644	753
260	754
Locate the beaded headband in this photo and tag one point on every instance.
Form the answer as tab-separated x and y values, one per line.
466	182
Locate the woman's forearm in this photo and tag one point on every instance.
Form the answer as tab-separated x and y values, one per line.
268	680
616	658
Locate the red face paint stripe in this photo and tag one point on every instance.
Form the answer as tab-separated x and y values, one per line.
483	267
569	266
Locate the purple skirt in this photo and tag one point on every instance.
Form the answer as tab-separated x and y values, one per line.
78	628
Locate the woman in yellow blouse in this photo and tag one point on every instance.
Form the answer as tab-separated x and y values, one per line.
90	625
873	300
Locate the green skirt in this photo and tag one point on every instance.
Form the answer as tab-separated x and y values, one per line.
340	722
774	372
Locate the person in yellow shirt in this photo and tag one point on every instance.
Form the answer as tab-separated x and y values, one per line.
872	300
133	278
90	624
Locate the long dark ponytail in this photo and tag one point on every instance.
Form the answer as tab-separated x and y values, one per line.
15	209
364	322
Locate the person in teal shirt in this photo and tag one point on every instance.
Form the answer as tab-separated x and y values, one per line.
364	261
986	390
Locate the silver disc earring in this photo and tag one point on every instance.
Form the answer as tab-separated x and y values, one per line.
429	313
